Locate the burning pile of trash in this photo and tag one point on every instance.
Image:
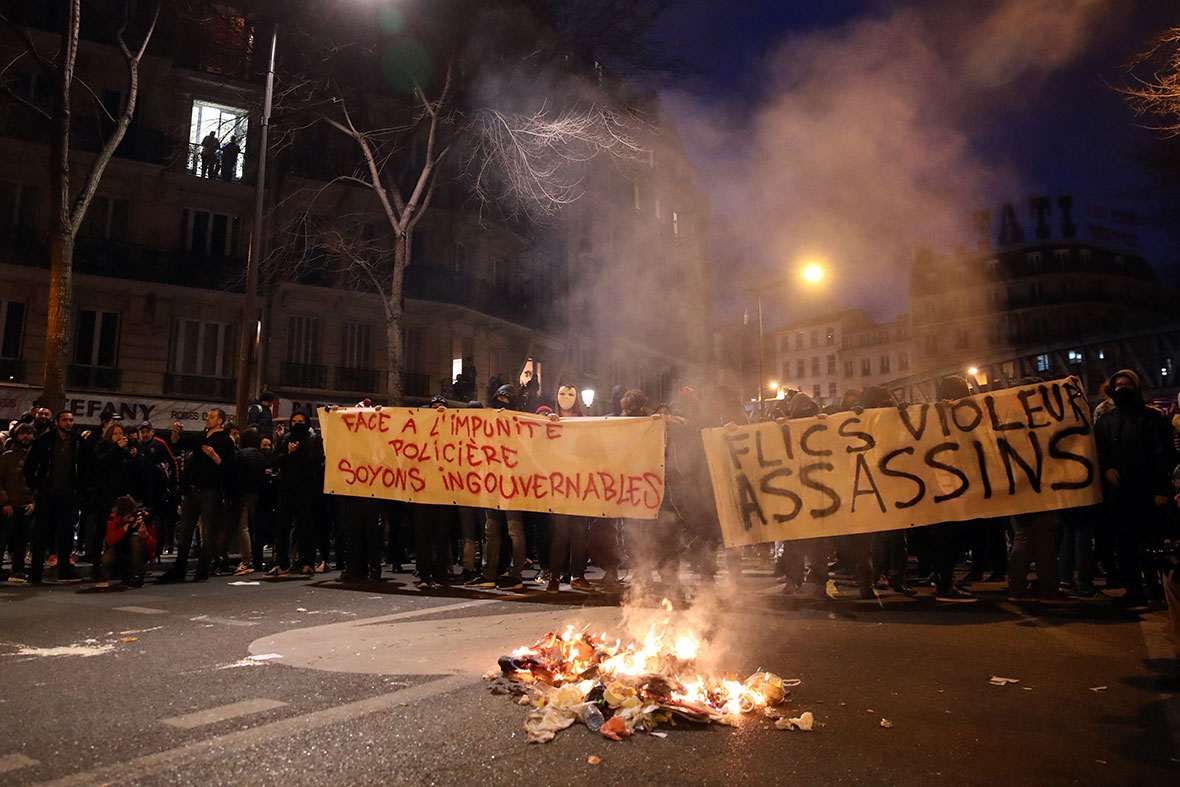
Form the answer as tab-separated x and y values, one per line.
619	689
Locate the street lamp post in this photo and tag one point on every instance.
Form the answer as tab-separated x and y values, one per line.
812	273
248	330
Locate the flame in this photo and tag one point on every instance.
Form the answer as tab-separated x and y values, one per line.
640	676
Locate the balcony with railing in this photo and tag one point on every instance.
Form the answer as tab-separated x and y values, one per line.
414	384
217	388
303	375
12	370
215	167
359	380
99	378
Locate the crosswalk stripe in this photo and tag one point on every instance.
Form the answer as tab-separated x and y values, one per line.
142	610
221	713
13	762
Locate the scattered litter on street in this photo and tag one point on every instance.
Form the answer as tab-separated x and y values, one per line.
243	583
995	680
887	724
1097	689
593	760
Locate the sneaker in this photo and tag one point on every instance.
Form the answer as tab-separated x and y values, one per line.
244	570
480	581
543	578
1022	598
1056	598
902	588
18	578
103	584
321	567
375	575
553	587
200	576
582	584
1092	594
509	583
52	561
306	571
423	585
69	579
276	571
170	576
956	596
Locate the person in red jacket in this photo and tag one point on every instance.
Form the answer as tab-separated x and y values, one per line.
131	542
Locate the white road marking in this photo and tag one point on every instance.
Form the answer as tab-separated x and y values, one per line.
14	762
213	715
224	621
241	740
142	610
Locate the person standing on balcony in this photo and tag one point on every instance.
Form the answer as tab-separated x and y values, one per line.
210	146
229	159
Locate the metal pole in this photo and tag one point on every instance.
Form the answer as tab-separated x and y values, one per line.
759	295
248	327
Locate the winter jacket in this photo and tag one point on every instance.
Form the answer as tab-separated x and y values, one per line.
116	533
201	472
14	490
39	464
1136	441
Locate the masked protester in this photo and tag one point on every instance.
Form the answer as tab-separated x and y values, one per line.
495	521
1135	457
567	547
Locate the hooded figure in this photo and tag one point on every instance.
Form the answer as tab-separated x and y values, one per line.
1135	457
505	398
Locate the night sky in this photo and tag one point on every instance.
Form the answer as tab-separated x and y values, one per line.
774	89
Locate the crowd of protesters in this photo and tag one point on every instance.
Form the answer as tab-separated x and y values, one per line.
125	499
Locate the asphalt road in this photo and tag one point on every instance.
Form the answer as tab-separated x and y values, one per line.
309	682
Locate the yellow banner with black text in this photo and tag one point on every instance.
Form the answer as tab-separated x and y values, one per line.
602	467
1015	451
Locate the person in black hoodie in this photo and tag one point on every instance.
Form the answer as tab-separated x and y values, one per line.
298	457
208	478
112	476
251	477
1135	457
52	471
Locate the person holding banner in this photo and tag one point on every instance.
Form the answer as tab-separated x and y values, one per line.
495	521
298	457
432	531
948	538
567	547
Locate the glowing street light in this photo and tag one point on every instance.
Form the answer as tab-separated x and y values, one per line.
813	273
973	371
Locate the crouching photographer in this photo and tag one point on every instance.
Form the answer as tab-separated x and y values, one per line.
130	542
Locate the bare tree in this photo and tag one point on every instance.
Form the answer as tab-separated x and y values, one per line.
1153	86
71	192
524	163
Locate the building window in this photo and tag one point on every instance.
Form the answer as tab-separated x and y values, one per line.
903	361
815	364
786	375
831	391
831	364
931	343
412	352
814	337
962	339
848	368
202	349
106	219
800	368
12	328
815	392
866	367
18	205
1036	291
1034	261
675	224
784	344
831	335
356	345
214	234
1086	256
217	140
1061	257
500	279
458	258
1075	356
884	364
96	339
799	340
1043	362
993	268
303	339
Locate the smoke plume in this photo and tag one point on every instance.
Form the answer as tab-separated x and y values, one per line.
864	143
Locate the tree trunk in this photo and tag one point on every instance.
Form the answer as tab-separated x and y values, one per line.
394	313
57	338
